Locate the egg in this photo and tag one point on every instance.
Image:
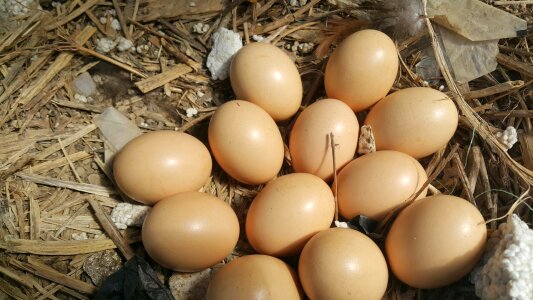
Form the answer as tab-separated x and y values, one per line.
309	143
435	241
159	164
246	142
287	212
377	183
264	75
254	277
341	263
417	121
189	232
362	69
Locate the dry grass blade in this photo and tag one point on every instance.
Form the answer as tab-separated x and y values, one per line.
82	187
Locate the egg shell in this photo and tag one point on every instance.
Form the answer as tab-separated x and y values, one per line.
287	212
362	69
309	142
160	164
341	263
246	142
263	74
255	277
417	121
189	232
377	183
435	241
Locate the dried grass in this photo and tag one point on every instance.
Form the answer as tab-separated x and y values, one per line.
53	179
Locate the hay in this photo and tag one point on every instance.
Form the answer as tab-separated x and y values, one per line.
53	179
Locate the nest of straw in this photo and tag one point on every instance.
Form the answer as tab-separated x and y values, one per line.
54	185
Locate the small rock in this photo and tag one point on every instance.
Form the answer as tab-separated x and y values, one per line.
191	112
200	28
101	264
225	44
105	45
95	178
115	24
124	44
82	236
190	286
84	84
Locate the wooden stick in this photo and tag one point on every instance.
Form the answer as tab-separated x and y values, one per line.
110	60
35	219
38	268
12	291
111	230
79	106
71	247
464	179
504	3
335	183
526	145
122	19
473	173
81	187
69	161
76	13
496	89
51	164
514	64
285	19
20	278
161	79
519	113
71	139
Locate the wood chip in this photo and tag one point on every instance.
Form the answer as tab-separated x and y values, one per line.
161	79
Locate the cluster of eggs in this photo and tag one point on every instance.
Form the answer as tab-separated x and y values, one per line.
433	242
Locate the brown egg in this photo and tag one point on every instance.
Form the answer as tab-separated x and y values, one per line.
189	232
254	277
341	263
160	164
263	74
417	121
309	141
376	183
288	212
435	241
246	142
362	69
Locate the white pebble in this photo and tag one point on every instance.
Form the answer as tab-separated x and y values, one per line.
225	44
257	38
124	44
105	45
441	88
191	112
103	20
115	24
200	28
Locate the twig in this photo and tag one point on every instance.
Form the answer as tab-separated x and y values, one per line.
71	139
81	187
78	12
151	83
121	19
335	183
111	230
196	121
69	161
459	168
496	89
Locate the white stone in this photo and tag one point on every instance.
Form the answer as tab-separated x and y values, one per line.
115	24
124	44
225	44
84	84
104	45
191	112
127	214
